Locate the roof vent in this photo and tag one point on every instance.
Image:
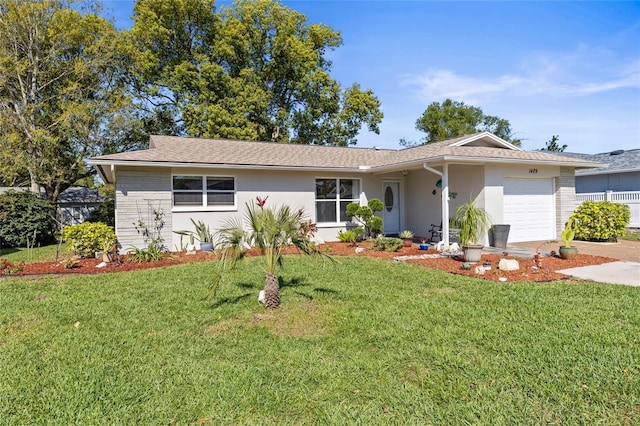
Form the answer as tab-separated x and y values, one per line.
616	152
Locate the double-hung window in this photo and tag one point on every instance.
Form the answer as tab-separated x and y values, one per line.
203	191
332	198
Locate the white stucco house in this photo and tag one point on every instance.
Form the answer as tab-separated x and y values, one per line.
211	179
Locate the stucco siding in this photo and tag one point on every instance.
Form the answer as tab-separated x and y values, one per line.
138	192
295	189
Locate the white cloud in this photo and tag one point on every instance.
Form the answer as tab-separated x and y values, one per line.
584	72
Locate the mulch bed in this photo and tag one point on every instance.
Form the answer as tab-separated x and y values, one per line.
527	272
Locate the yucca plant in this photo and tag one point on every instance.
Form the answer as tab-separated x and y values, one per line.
270	231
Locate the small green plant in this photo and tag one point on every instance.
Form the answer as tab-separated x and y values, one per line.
87	238
472	221
151	235
348	236
387	243
568	234
203	233
365	216
406	235
150	254
600	221
70	263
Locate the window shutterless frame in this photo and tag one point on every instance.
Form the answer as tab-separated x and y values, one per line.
332	197
198	192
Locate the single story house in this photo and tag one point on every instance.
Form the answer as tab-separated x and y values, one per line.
211	179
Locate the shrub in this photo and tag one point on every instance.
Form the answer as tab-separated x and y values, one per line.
387	243
104	212
87	238
600	221
351	235
26	219
365	215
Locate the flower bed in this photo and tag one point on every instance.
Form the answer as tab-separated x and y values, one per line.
527	272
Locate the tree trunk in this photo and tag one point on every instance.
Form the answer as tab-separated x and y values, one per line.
271	291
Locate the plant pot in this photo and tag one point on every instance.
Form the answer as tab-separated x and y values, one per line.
206	246
472	253
424	246
568	252
407	242
498	235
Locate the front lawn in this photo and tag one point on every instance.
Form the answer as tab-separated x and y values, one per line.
36	254
365	341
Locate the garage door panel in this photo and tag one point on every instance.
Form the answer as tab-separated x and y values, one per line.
529	209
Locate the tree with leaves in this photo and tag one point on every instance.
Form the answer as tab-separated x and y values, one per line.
60	97
553	146
255	71
452	119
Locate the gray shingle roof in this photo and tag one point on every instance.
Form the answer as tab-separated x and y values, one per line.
616	161
219	152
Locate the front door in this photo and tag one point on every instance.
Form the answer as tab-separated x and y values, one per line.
391	210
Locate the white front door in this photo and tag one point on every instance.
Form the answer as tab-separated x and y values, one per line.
391	209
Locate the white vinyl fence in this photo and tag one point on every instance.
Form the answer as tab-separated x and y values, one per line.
630	198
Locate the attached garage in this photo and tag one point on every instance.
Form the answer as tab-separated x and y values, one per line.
529	209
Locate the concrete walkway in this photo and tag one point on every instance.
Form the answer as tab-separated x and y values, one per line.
627	273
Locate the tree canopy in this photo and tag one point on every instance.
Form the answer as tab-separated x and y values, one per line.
60	97
452	119
552	145
253	71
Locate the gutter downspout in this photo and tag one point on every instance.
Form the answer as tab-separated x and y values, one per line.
444	174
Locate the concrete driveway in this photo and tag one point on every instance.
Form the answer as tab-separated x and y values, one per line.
626	270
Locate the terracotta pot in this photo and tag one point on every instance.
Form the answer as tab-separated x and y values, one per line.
568	252
407	242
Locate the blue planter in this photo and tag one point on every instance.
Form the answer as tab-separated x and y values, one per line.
424	246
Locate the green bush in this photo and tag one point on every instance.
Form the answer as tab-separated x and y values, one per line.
104	212
365	216
387	243
600	221
26	218
87	238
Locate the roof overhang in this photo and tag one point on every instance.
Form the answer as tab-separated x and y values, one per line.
607	171
490	136
106	168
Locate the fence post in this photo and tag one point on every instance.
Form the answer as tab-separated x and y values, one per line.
609	195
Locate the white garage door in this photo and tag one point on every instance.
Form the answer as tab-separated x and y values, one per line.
529	209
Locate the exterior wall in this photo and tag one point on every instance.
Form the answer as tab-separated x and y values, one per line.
139	190
422	207
565	197
608	182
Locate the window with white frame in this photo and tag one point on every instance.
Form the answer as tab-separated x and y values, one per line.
203	191
332	198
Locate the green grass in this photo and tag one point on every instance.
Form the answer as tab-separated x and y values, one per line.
634	236
37	254
365	341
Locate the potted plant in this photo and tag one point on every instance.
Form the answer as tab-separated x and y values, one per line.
407	237
473	222
423	244
567	235
203	233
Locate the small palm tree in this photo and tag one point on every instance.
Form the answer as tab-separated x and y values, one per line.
270	231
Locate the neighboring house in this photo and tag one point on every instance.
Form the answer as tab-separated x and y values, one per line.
621	171
212	179
618	181
74	203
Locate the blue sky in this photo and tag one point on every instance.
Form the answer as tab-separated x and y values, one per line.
551	68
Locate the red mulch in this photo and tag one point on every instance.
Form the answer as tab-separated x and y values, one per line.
526	273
